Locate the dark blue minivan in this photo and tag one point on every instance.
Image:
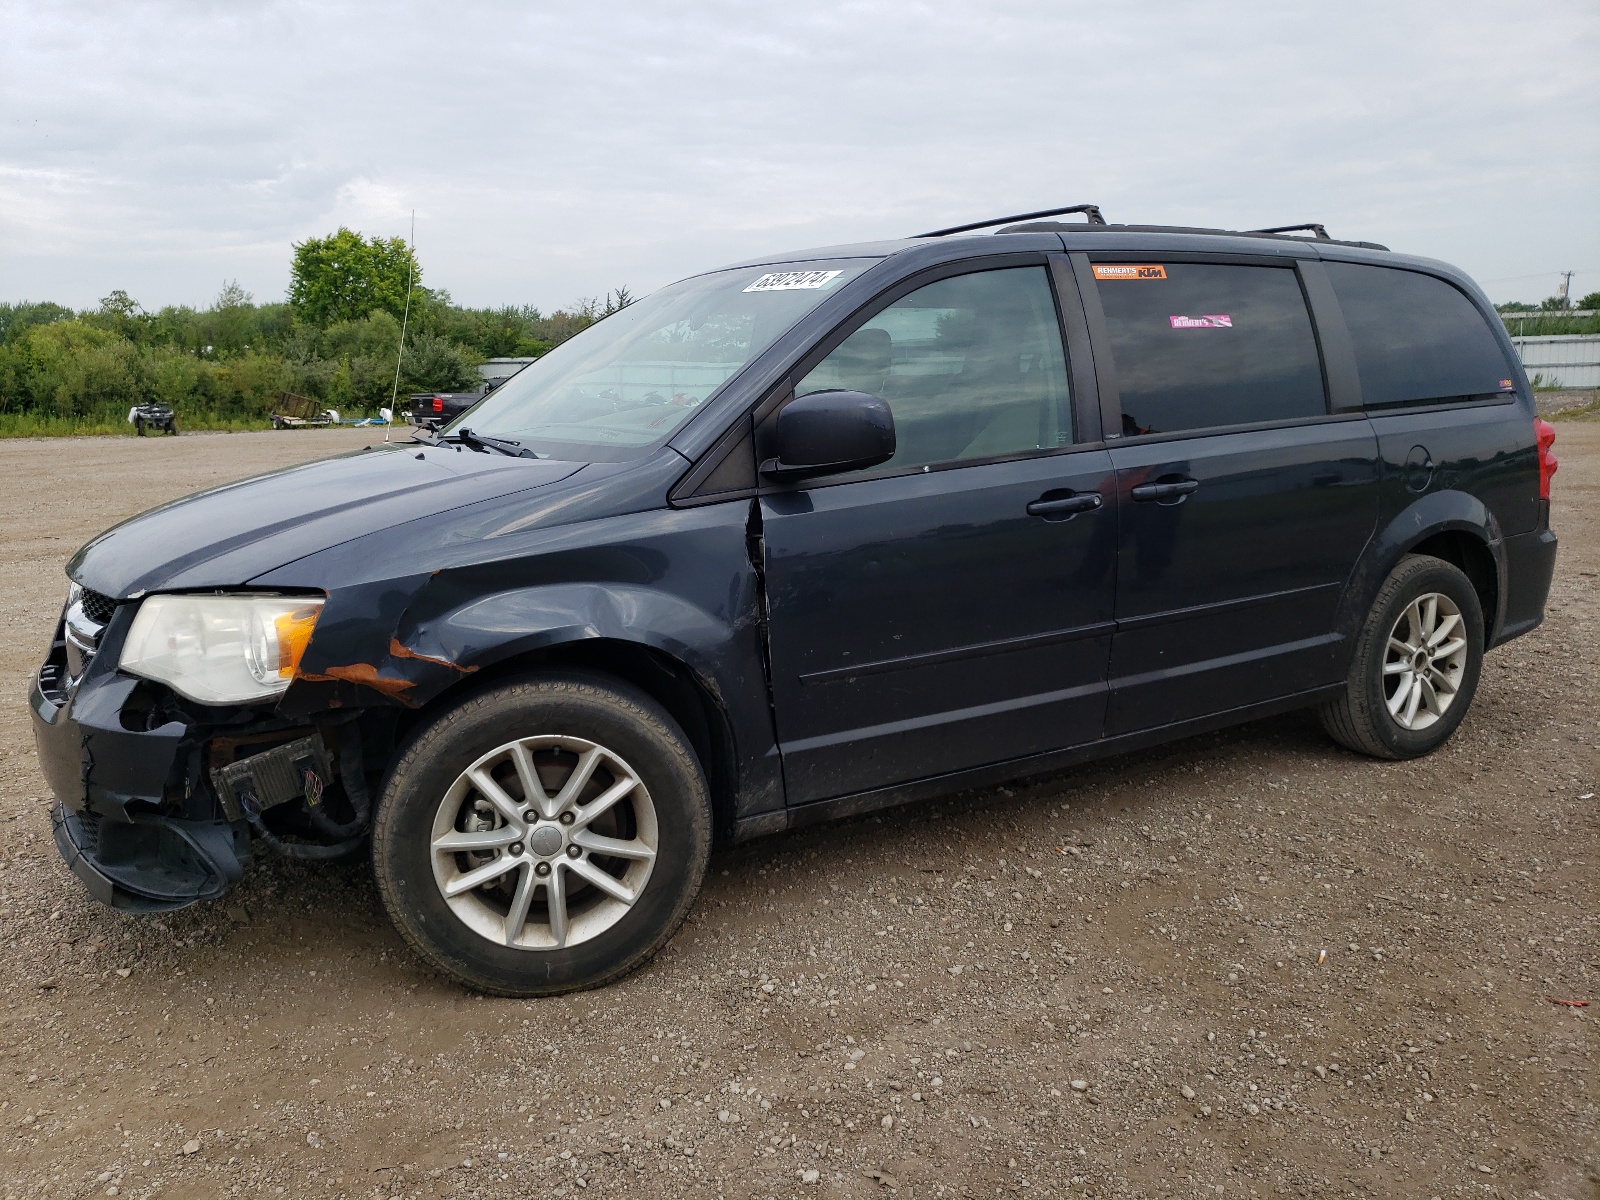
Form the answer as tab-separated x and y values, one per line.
801	538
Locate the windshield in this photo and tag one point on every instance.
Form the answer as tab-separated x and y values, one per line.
628	381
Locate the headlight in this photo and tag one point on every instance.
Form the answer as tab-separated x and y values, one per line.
221	649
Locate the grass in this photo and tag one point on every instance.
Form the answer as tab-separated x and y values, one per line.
31	425
1549	324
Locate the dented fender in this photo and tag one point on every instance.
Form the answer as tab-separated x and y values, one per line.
678	583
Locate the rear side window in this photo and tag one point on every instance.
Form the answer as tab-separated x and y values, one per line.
1199	345
1416	337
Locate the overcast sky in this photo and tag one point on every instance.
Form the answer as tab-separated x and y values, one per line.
556	151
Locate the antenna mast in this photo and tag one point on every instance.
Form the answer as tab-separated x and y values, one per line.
405	318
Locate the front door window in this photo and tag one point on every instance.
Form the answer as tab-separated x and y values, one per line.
971	366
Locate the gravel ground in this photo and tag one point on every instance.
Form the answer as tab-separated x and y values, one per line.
1249	964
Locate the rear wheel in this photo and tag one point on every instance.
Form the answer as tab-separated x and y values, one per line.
1416	666
546	836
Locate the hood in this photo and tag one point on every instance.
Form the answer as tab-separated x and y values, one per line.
227	535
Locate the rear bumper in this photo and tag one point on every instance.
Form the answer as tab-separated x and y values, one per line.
1530	565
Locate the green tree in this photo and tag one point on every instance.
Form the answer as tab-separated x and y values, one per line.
17	318
119	313
1591	302
434	363
345	277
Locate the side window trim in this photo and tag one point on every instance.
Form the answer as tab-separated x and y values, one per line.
1105	367
1087	424
1333	337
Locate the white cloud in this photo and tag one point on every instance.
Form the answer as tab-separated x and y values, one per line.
553	152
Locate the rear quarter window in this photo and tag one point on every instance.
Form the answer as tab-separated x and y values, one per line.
1416	337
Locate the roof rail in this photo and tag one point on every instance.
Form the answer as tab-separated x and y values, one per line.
1310	227
1092	211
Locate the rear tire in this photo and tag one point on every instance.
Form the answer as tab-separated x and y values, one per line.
1416	666
584	876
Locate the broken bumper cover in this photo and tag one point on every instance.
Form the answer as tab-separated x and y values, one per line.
153	864
108	780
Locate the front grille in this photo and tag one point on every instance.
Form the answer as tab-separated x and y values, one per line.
97	606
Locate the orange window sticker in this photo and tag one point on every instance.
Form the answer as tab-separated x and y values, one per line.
1129	271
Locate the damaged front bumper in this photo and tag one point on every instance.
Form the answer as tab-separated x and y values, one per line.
157	805
152	864
125	820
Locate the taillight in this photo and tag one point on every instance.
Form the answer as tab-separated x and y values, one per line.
1545	434
438	406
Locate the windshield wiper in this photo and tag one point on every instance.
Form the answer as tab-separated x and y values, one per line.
481	441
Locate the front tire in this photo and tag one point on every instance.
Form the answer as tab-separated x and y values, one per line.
545	836
1417	663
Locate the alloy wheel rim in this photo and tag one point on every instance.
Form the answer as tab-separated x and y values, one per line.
1424	661
544	843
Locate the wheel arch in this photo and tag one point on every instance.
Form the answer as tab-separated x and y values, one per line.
667	680
1453	526
657	644
1469	552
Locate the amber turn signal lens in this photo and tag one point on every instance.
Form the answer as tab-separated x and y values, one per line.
294	634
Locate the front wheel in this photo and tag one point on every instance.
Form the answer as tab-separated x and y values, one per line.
1416	666
545	836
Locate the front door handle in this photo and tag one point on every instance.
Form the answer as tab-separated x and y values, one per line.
1050	505
1168	490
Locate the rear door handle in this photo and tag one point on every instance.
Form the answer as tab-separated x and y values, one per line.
1065	506
1165	491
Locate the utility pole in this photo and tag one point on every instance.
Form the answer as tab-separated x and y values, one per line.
1566	287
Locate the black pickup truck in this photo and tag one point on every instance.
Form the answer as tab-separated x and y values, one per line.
431	409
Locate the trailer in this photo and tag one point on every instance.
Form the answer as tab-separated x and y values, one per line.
293	411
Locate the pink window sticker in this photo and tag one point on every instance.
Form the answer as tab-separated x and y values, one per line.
1209	321
1506	385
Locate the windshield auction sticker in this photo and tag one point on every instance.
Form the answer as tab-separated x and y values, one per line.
1129	271
794	281
1211	321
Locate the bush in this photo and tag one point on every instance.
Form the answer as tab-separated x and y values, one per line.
71	369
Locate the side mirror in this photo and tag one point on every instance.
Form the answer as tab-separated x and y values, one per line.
825	433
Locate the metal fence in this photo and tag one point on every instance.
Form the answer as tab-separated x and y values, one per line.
1562	360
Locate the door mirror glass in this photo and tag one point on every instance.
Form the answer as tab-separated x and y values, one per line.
828	432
